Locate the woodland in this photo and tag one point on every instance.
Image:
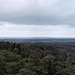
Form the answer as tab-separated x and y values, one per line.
36	59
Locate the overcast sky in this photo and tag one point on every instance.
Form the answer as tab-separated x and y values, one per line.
37	18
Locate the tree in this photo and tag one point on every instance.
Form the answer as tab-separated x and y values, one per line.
48	64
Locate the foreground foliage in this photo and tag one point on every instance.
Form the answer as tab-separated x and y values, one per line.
35	59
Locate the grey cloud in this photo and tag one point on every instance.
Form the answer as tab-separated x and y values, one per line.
38	12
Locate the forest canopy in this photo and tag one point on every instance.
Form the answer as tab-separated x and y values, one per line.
35	59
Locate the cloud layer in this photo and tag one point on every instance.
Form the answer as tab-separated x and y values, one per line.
37	18
42	12
12	30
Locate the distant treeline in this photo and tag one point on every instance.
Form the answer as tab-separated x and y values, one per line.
35	59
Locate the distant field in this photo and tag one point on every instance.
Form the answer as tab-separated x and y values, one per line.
37	40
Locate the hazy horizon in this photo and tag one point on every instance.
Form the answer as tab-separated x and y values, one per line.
37	38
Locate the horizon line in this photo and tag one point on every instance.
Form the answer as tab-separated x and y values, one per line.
40	37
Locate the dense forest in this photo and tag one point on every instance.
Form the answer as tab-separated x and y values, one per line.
36	59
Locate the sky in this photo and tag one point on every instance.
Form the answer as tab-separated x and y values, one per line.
37	18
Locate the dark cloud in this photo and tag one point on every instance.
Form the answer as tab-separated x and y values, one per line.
38	12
